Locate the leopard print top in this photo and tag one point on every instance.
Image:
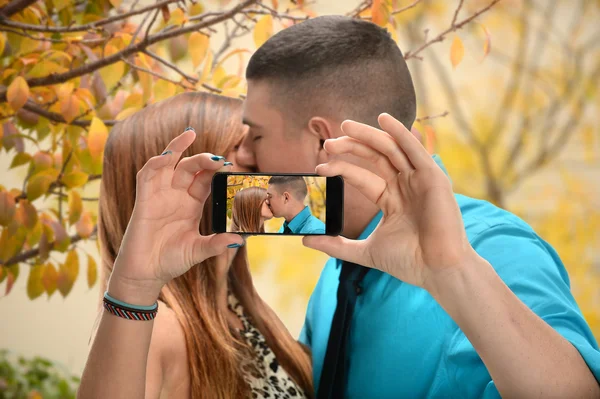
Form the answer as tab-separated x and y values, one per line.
264	375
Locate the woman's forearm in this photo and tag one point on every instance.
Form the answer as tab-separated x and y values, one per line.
118	360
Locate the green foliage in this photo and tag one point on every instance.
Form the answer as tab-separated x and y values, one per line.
34	378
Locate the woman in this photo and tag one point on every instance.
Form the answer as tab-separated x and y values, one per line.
250	210
153	200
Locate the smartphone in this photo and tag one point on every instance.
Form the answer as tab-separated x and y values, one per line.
277	204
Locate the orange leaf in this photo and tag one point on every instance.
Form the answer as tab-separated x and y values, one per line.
69	108
198	46
380	12
26	214
39	183
263	30
275	4
7	208
17	93
429	139
457	51
85	225
165	13
49	279
115	3
75	206
10	281
97	137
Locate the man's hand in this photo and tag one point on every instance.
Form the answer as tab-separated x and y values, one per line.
421	237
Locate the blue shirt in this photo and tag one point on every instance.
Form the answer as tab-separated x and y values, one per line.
402	344
304	223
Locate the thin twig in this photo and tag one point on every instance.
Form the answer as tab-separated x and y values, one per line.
33	107
158	75
14	7
90	199
452	28
86	27
460	4
429	117
91	42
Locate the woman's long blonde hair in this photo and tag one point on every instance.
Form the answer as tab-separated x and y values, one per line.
213	350
247	209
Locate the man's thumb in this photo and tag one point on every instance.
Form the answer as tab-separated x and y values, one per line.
338	247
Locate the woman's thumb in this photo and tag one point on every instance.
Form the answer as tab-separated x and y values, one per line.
208	246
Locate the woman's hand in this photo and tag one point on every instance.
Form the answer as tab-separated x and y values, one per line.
421	236
162	240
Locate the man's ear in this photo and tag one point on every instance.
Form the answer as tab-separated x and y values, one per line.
286	196
322	129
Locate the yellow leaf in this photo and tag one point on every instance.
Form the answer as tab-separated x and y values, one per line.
115	3
263	30
75	206
134	100
72	264
41	161
69	108
49	278
35	286
2	43
208	62
39	183
177	17
45	68
17	93
111	74
163	90
195	9
380	11
198	46
7	208
63	283
457	51
85	225
75	179
92	271
35	235
20	159
97	137
127	112
219	74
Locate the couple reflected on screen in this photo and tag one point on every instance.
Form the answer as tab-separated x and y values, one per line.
286	197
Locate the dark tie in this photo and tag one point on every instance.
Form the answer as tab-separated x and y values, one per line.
286	229
335	367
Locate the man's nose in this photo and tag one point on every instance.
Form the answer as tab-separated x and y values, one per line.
245	155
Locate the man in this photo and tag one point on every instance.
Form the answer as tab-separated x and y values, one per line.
285	197
464	299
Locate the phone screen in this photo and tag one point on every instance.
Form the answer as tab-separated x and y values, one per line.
287	204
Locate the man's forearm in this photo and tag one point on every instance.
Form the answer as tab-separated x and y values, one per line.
524	355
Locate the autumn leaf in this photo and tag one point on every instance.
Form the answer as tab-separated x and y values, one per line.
17	94
198	45
26	214
20	159
41	161
166	14
35	286
10	281
457	51
163	90
429	139
115	3
49	278
75	179
263	30
275	4
92	271
380	12
75	206
67	273
69	108
39	183
2	43
7	208
195	9
111	74
97	136
85	225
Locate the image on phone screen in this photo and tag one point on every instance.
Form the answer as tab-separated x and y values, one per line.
284	204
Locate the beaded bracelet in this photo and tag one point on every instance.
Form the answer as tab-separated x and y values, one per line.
128	311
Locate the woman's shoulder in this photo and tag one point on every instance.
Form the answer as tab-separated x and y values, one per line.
168	350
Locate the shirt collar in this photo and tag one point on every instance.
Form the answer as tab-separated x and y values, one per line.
299	219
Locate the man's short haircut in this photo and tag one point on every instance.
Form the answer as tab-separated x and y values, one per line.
338	67
295	185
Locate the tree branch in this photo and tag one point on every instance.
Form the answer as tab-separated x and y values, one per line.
428	117
33	107
189	78
14	7
93	66
82	28
91	42
460	4
32	253
452	28
66	196
394	12
158	75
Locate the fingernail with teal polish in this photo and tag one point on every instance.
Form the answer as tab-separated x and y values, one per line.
234	245
228	164
217	157
167	152
188	128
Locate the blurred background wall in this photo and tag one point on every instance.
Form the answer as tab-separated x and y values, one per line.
517	126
